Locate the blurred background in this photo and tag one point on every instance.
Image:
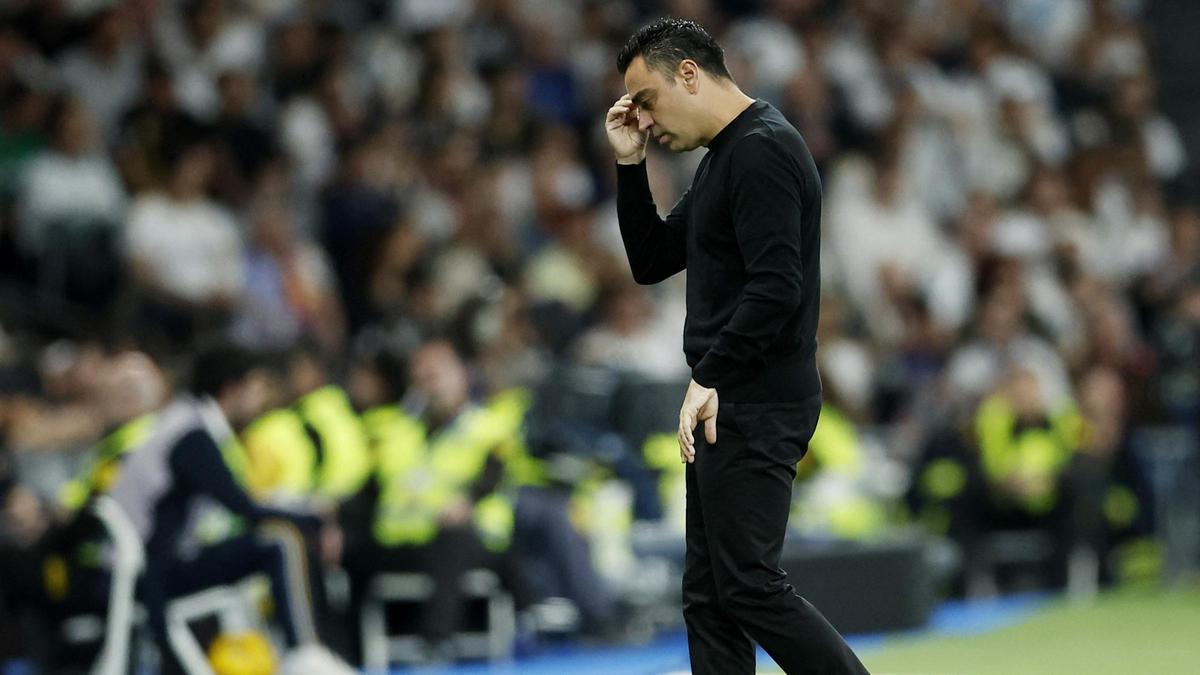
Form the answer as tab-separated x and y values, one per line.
409	202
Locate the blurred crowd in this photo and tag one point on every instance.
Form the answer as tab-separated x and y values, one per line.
412	201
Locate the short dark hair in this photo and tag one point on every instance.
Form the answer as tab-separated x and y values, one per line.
219	365
666	42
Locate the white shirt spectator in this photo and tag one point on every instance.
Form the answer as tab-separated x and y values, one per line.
1049	28
108	88
853	67
866	235
72	192
977	367
307	137
239	44
771	49
1165	153
192	250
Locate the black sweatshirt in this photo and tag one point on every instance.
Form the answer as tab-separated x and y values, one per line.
198	468
748	231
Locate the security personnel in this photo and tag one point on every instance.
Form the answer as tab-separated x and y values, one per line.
1112	508
105	462
314	448
1008	470
61	575
436	492
1024	446
830	496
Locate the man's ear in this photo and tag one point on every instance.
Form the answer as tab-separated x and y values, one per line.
689	73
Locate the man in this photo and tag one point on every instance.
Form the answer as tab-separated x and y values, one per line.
130	388
748	233
186	467
1014	470
435	499
314	448
60	575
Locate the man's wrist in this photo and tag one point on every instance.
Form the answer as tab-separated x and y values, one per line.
702	374
633	160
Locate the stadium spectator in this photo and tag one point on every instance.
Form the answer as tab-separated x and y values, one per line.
106	72
186	252
71	208
162	488
290	291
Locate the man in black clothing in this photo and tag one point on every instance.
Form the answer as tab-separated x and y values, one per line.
748	232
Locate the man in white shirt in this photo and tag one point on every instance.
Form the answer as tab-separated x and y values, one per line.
185	251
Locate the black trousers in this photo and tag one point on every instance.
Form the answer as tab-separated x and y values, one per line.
276	548
739	493
556	559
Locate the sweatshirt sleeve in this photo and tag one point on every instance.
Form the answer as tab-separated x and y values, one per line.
197	463
657	248
765	202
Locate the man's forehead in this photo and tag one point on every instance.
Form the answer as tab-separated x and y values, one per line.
639	81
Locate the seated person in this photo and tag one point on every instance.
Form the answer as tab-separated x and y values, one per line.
60	574
433	502
1010	472
313	448
187	463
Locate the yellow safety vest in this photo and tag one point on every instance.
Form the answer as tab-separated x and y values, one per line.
105	462
661	452
346	463
414	490
398	448
284	458
834	448
1036	454
508	409
280	455
458	455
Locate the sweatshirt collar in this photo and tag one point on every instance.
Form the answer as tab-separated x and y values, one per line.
743	118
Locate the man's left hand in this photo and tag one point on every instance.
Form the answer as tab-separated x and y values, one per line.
699	405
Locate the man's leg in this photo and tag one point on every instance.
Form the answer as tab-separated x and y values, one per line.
447	558
745	484
544	532
362	564
716	643
278	551
293	565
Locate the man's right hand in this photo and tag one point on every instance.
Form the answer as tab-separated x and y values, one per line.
627	140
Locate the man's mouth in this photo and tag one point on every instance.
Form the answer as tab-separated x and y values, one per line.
662	139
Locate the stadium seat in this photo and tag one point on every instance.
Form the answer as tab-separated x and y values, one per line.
381	648
235	608
234	605
128	560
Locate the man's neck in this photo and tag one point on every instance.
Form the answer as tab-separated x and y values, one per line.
436	421
729	103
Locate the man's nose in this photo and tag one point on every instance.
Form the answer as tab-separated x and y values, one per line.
645	121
